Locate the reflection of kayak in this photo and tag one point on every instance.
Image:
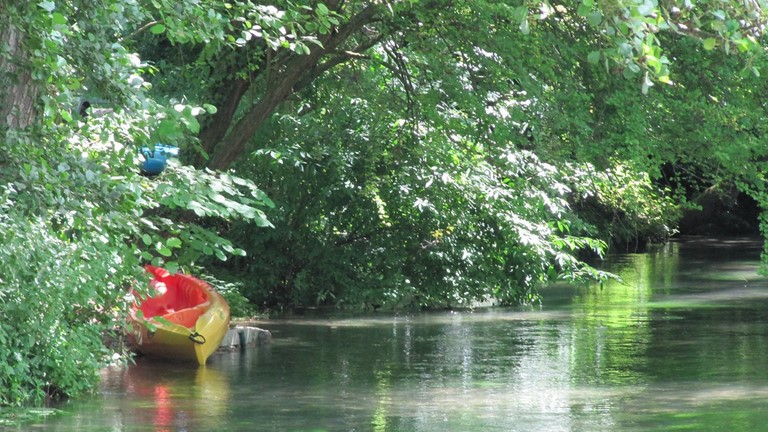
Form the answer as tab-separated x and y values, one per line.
157	397
193	318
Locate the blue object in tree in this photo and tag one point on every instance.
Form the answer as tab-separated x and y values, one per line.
155	160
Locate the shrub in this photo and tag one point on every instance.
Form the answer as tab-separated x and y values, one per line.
57	298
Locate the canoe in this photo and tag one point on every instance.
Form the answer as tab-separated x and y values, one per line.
195	318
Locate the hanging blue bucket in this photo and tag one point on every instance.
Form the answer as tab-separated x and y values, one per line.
155	160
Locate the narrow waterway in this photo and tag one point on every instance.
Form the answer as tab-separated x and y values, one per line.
680	344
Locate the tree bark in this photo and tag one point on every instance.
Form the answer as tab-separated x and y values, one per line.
220	121
282	85
18	93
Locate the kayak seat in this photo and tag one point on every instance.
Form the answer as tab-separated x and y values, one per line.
187	317
182	302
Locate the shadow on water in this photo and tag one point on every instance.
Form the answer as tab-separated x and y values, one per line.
679	344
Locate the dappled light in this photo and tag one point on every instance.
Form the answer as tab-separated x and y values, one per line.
369	177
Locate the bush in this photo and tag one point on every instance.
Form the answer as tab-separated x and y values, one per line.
57	298
239	306
623	206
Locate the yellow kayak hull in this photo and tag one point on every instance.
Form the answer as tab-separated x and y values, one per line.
186	323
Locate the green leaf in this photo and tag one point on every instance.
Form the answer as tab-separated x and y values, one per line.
192	124
220	255
653	63
262	222
709	43
168	130
49	6
267	201
647	83
162	250
647	8
593	57
157	28
322	9
173	242
146	239
172	266
524	27
595	18
196	207
58	18
520	14
302	48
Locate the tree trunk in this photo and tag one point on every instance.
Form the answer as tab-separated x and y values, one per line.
220	121
279	88
18	93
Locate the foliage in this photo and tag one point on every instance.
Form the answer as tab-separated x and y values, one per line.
633	34
366	219
398	180
239	306
623	206
57	300
77	218
420	153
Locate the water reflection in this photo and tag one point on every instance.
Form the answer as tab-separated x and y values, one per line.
174	398
679	343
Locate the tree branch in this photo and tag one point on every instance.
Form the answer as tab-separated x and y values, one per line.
138	30
285	80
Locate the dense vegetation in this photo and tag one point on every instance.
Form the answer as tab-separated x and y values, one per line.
351	153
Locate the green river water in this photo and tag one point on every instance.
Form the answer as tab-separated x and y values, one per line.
680	345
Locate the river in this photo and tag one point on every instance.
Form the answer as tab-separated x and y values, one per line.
681	343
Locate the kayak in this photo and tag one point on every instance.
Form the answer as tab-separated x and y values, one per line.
184	319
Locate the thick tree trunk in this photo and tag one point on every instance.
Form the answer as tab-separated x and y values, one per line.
279	88
221	121
18	93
